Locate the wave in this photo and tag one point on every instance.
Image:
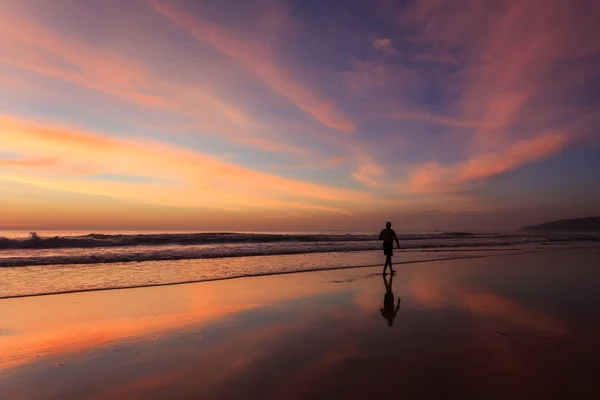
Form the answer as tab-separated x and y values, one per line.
116	240
111	240
20	258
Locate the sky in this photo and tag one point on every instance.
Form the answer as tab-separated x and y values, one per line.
298	115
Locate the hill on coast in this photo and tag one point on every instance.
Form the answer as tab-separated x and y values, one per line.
566	225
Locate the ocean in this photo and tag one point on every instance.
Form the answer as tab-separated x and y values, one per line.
61	262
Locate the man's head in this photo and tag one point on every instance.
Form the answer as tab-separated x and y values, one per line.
388	224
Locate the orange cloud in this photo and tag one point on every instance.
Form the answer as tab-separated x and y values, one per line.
197	180
27	162
258	59
368	172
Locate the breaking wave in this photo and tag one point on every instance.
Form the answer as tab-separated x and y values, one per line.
114	248
110	240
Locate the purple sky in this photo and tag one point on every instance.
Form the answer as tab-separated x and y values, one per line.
178	114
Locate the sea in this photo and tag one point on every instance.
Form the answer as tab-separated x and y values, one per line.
54	262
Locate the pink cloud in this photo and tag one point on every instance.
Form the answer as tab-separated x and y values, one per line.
385	45
509	54
258	58
368	173
428	178
433	177
32	46
522	152
433	119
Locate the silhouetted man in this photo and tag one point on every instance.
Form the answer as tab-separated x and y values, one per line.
388	311
388	235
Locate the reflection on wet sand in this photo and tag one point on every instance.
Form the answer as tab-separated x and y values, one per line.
83	321
390	309
304	336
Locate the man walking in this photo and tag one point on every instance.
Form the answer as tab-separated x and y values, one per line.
388	235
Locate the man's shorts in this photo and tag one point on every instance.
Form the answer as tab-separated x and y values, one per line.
388	248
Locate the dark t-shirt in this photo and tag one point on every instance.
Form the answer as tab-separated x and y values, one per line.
388	235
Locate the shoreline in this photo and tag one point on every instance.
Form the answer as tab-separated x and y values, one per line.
150	258
280	273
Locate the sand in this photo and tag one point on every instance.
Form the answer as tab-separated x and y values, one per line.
519	326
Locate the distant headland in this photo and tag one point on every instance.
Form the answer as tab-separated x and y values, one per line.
566	225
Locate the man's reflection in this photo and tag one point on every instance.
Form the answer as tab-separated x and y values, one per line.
388	311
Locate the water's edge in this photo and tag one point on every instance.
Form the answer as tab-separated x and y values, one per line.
256	275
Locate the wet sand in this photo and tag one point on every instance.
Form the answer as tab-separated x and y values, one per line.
519	326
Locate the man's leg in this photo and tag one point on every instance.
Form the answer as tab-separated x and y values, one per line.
387	262
391	269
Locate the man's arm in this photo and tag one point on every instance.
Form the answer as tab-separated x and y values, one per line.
396	239
381	235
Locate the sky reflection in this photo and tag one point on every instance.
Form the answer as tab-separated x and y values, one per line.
290	335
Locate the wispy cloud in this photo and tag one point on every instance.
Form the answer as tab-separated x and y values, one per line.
433	119
33	47
503	82
204	181
258	58
385	45
423	101
368	173
433	177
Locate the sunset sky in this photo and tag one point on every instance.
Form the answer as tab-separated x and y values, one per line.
266	114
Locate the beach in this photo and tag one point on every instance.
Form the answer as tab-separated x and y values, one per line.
503	326
200	199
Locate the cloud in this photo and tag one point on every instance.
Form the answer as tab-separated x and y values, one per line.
522	152
332	163
433	177
433	119
479	89
511	55
258	58
443	58
385	45
58	55
27	162
368	172
204	181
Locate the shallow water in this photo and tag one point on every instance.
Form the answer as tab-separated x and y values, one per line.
47	279
62	262
123	247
